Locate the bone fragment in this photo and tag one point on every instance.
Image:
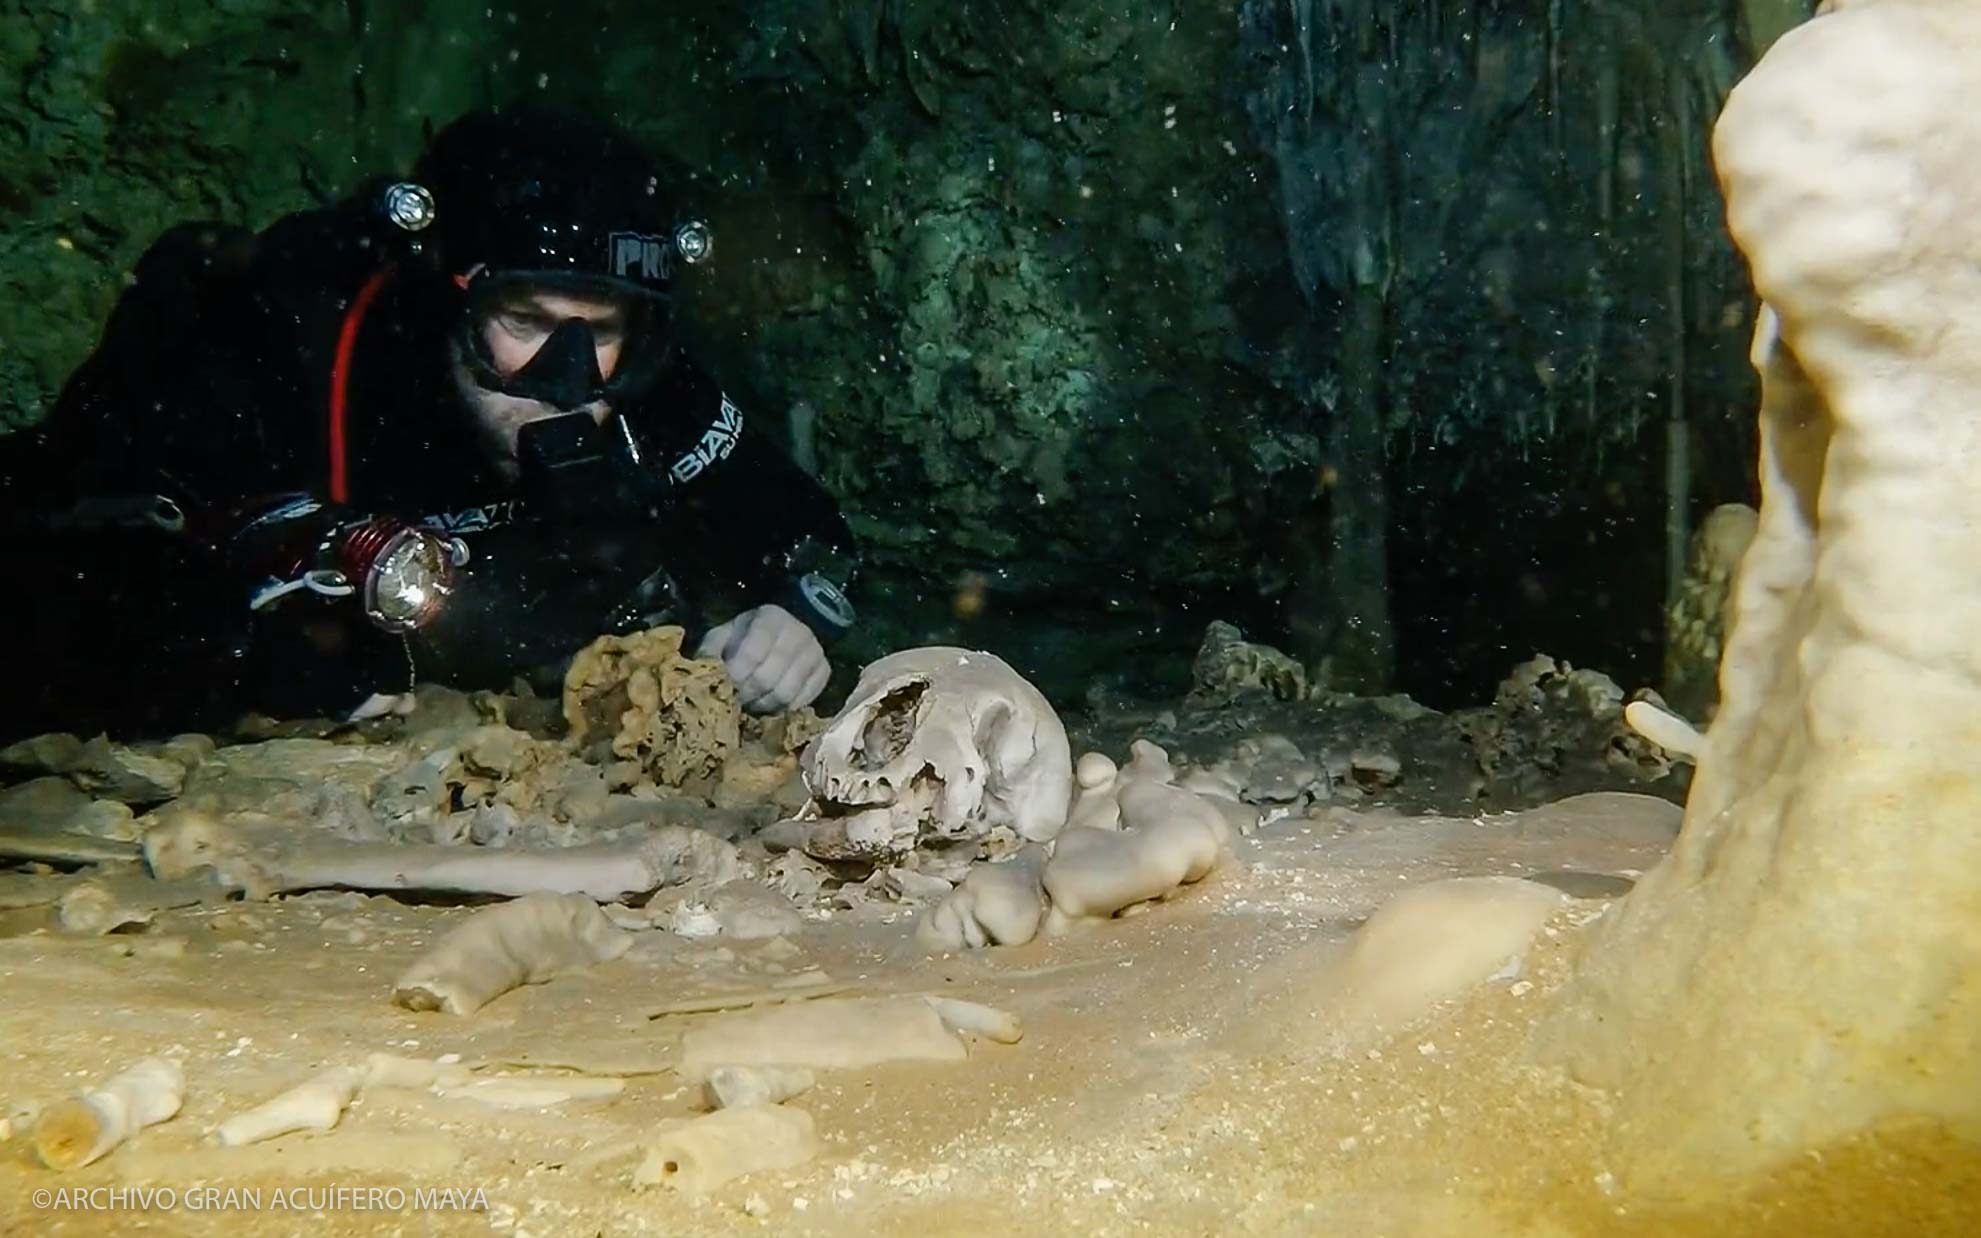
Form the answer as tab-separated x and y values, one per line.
73	1133
263	861
1665	729
986	1021
315	1105
1174	838
529	941
1096	780
387	1070
697	1155
1132	836
738	1087
319	1104
66	848
18	1117
831	1034
529	1091
996	904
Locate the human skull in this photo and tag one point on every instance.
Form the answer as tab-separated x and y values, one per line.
938	743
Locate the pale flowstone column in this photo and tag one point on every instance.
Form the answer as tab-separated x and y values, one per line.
1807	963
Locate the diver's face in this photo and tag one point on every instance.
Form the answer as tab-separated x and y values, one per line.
501	418
519	324
512	331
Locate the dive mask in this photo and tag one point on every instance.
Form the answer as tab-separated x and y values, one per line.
563	373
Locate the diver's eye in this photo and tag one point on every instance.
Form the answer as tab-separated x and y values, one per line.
520	326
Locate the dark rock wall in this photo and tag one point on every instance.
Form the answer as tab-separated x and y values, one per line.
1012	276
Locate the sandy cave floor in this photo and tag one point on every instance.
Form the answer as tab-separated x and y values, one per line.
1169	1080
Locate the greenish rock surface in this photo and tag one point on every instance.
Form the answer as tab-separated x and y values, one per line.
1016	278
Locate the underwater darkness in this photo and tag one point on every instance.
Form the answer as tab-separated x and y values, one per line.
1358	325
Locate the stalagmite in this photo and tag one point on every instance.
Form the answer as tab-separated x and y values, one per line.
1806	965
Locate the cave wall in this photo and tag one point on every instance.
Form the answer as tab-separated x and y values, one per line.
122	118
1010	276
119	118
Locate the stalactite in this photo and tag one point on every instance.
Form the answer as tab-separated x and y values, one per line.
1302	13
1606	75
1678	139
1358	17
1608	103
1598	322
1554	36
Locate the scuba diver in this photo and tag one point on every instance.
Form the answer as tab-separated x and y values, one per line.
443	430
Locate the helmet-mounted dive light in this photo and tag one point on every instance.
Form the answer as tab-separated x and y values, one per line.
402	574
408	206
694	242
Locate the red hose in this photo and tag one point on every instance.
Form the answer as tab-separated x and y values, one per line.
340	382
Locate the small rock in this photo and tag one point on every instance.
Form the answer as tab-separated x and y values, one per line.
44	754
112	771
578	792
1375	769
440	711
93	909
912	887
416	790
494	825
498	750
1228	668
52	805
742	909
188	751
624	775
798	877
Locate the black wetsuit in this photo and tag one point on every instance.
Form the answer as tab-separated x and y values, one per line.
213	389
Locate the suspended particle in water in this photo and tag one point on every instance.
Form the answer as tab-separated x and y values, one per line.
968	600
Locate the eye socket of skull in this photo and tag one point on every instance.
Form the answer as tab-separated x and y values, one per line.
891	726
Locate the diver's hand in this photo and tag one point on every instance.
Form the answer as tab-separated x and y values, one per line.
776	661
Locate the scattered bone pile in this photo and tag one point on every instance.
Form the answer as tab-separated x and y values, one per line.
941	759
947	776
946	788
